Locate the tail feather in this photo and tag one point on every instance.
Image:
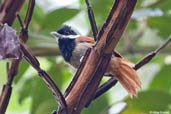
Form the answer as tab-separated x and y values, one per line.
125	74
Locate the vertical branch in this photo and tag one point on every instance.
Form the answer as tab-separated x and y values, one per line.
92	20
8	12
4	98
24	28
29	13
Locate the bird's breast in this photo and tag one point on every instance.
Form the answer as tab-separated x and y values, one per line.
78	53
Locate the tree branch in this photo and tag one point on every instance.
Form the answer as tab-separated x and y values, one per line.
92	20
46	78
150	56
84	87
9	10
7	15
111	82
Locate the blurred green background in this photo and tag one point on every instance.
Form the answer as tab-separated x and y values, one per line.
148	29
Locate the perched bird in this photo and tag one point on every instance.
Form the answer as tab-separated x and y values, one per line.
73	47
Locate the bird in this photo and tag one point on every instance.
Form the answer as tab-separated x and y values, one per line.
73	46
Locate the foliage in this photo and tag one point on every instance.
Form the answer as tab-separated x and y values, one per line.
145	103
157	95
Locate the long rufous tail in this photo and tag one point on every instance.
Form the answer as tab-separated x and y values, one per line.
125	74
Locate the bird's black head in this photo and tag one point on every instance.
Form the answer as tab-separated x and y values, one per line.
66	30
65	38
65	42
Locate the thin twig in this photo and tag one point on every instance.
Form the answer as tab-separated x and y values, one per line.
29	13
150	56
20	21
46	78
35	63
92	20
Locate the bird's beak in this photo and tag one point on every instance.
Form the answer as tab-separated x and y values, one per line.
55	34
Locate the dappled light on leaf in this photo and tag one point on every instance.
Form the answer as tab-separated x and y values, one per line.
9	43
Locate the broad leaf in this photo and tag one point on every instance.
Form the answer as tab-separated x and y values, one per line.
98	106
147	102
22	69
101	10
162	24
162	81
163	4
56	18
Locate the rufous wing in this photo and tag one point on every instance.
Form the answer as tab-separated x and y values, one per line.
85	39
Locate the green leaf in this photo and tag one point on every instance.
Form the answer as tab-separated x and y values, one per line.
139	4
35	88
162	24
101	10
22	69
162	81
39	93
25	91
148	101
132	25
56	18
46	107
81	2
98	106
59	72
163	4
3	75
35	23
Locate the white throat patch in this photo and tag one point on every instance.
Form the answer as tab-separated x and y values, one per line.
57	35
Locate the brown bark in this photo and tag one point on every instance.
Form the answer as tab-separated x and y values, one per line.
9	10
85	85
